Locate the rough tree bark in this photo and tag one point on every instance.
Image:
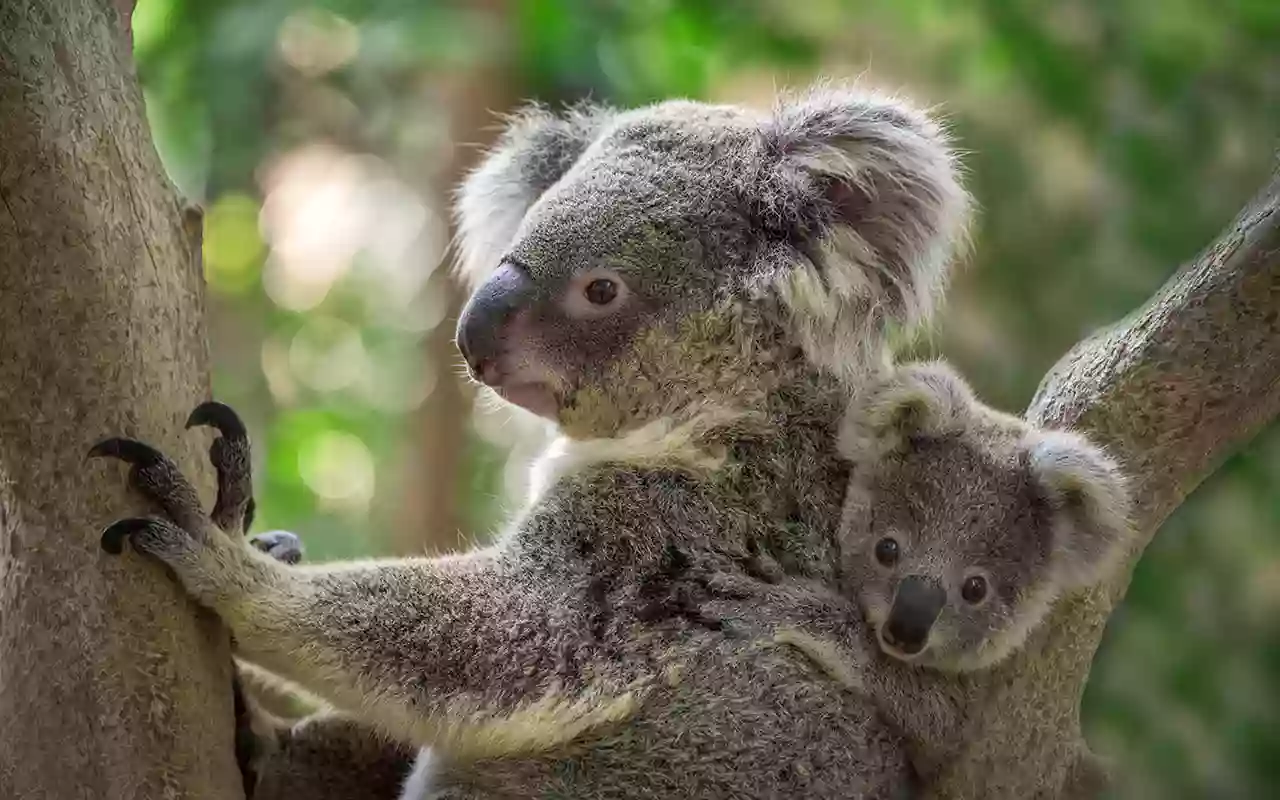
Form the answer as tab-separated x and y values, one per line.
1171	390
112	684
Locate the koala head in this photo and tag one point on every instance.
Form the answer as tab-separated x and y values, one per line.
962	524
619	254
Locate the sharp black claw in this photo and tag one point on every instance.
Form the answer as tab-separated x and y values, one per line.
130	450
220	416
250	509
113	535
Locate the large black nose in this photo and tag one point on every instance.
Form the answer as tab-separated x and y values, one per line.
481	326
915	608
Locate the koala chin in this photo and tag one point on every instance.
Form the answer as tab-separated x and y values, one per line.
962	524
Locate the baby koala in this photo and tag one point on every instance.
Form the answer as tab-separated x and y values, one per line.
961	526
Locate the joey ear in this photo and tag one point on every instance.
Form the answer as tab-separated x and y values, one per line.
1090	499
534	150
874	183
921	399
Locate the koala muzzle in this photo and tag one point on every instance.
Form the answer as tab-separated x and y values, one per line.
916	607
482	326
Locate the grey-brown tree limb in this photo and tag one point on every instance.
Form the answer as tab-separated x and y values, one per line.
112	684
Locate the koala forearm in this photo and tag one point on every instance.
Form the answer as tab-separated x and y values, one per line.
330	629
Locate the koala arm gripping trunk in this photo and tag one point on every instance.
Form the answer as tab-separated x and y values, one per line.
333	629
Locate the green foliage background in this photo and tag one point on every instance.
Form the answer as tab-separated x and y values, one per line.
1109	140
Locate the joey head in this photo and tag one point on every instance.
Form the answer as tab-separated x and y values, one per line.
963	524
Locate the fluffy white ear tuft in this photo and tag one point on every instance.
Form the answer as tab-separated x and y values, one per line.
921	399
874	184
1090	497
534	150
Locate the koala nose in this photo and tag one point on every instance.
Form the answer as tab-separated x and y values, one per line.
480	328
916	607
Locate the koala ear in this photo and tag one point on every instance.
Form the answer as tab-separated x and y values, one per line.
874	184
1091	504
534	150
922	399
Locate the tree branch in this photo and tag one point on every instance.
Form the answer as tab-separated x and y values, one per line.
113	684
1171	391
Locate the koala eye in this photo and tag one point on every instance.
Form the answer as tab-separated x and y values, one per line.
595	293
886	551
601	292
974	589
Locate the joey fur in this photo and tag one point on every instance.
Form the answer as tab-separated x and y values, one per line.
688	292
962	526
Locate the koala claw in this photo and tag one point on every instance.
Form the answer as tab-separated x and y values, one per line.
234	507
157	478
283	546
113	535
127	450
220	416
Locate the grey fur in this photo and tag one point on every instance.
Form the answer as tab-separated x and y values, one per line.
965	489
665	617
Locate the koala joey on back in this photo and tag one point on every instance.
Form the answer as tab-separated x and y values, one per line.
962	525
688	291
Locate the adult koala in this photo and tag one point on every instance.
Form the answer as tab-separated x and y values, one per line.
688	291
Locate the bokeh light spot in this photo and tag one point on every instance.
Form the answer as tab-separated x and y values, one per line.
338	468
314	41
327	354
233	246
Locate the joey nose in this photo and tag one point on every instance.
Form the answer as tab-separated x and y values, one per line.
916	607
484	319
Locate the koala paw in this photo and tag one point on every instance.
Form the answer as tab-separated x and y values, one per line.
207	554
157	478
283	546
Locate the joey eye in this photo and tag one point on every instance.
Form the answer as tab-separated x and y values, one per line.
886	551
601	292
974	590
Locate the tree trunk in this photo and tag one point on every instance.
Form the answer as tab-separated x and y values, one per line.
1171	391
112	684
